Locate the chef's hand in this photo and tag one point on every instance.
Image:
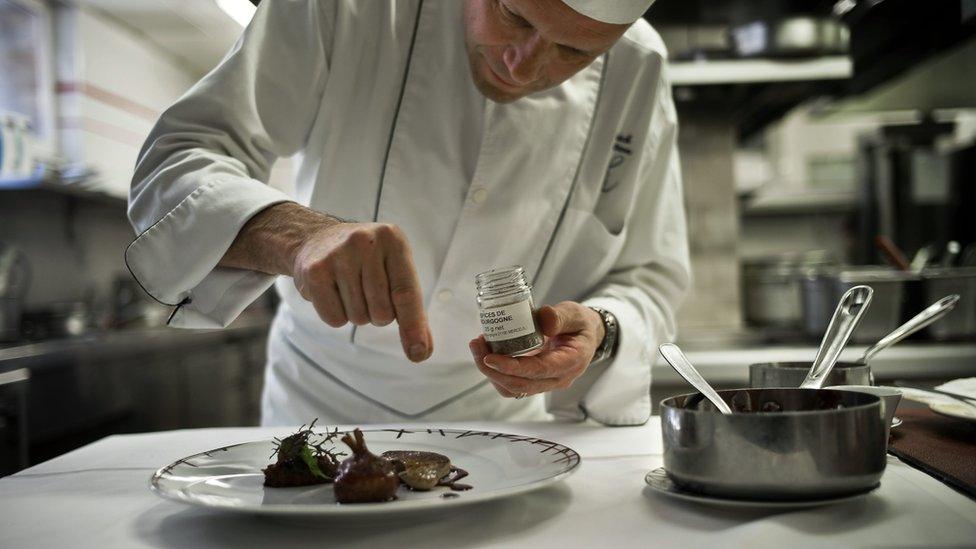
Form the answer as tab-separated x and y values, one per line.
573	333
364	273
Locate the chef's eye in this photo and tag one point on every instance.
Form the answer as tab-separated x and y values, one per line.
511	16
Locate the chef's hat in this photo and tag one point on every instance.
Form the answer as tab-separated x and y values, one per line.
611	11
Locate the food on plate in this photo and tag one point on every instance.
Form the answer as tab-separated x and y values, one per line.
364	477
301	462
419	470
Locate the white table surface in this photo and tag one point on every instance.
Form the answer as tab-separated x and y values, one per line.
98	496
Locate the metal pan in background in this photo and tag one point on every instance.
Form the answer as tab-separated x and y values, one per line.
893	291
820	443
800	36
772	287
791	374
961	322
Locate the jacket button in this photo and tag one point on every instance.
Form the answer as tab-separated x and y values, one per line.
445	295
479	196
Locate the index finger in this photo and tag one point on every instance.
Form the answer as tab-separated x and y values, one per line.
408	304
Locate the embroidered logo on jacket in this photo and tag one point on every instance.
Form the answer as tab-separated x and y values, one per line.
621	153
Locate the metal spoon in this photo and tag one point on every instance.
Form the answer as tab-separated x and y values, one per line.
934	312
672	353
921	259
846	317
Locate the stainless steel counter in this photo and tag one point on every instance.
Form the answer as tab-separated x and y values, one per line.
84	388
114	345
727	363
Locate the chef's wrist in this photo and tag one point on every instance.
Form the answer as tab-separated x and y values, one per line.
607	347
270	241
598	328
306	229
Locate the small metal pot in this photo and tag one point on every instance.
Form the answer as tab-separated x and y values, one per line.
961	322
824	286
772	287
892	291
791	374
822	444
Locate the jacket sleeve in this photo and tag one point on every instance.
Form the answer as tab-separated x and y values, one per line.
203	171
643	289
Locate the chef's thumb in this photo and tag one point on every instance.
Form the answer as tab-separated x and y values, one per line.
561	318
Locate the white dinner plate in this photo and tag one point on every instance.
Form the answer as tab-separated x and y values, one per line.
943	404
499	464
957	410
661	483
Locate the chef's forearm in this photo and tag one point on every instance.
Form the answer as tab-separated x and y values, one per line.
269	241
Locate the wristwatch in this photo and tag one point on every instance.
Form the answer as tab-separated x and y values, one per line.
608	346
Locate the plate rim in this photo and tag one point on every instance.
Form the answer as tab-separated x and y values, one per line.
326	510
935	407
748	503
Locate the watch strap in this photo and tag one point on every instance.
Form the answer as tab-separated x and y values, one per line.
608	346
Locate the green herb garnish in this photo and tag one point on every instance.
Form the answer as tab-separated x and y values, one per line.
298	447
312	462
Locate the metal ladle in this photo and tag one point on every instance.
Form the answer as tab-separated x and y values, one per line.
934	312
846	317
672	353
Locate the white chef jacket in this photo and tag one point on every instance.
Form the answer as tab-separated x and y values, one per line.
580	184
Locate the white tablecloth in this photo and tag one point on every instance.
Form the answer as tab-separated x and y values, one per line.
98	496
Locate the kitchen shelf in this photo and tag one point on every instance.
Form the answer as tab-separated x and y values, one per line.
756	71
99	347
794	204
55	186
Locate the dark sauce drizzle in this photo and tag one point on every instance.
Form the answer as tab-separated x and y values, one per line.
452	478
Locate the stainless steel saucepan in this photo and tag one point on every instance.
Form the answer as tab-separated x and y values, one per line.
778	444
791	374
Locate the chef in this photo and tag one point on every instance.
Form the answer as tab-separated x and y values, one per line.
433	140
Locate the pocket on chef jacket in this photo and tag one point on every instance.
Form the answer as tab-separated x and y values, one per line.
583	253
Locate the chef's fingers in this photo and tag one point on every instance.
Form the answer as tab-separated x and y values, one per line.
519	385
562	318
502	390
351	292
325	298
512	385
407	300
479	349
556	363
377	290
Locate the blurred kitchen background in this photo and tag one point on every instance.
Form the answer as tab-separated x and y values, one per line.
814	134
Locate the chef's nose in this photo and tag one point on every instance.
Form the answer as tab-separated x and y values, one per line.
524	60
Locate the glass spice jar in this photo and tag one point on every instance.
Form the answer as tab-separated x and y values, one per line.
508	316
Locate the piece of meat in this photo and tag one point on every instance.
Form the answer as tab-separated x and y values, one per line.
364	477
419	470
295	473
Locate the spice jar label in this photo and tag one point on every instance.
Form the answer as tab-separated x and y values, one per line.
507	321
